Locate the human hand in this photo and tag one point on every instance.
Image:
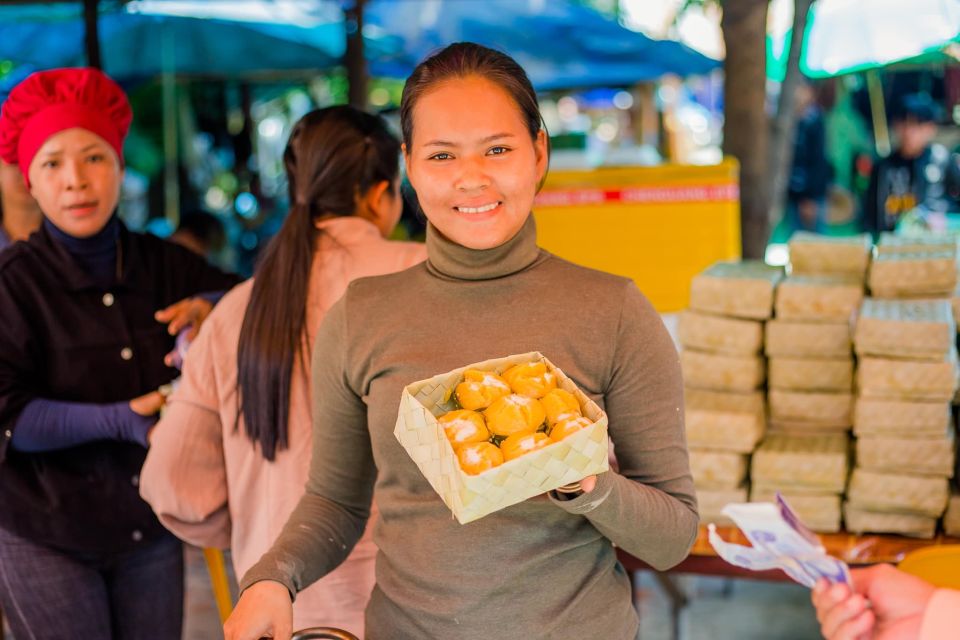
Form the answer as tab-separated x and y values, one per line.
148	404
588	484
885	604
189	311
263	611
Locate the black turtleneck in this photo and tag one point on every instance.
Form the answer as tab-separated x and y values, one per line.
97	254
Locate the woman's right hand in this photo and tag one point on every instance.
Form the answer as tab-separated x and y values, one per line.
148	404
263	611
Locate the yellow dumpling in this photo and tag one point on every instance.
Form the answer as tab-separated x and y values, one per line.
477	457
569	426
560	404
514	414
480	388
463	426
521	443
530	379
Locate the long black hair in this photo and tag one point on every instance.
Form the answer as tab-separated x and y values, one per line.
333	156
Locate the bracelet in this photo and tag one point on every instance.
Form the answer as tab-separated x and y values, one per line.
569	491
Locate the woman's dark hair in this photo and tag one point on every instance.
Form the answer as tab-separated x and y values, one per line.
462	60
333	156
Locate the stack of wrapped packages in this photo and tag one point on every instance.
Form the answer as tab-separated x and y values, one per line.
721	336
905	340
810	380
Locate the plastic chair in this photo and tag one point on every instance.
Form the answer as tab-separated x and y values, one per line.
217	569
323	633
939	565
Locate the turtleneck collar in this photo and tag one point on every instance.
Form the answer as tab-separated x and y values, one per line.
447	258
97	254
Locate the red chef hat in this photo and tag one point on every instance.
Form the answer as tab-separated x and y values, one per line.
48	102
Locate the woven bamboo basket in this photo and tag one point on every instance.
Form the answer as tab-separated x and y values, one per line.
862	520
912	456
471	497
899	493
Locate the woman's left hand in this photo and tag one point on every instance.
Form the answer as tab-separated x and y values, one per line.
588	484
188	312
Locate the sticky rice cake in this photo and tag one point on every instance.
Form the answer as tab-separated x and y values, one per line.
731	422
704	370
740	289
815	254
811	461
818	298
717	469
809	374
898	493
784	338
921	329
718	334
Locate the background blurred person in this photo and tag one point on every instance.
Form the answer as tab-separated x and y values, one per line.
81	361
919	172
810	172
228	463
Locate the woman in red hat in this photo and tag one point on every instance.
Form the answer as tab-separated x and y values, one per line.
81	360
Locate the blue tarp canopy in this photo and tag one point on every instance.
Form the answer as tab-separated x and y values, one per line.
560	43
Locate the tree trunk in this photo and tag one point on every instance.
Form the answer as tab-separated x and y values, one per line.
356	62
784	123
745	126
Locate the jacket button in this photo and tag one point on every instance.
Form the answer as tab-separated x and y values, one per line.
126	353
8	433
108	299
135	481
137	535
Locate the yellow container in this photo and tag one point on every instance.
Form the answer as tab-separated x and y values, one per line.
659	226
938	565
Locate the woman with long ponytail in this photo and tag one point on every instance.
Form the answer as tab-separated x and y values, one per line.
230	458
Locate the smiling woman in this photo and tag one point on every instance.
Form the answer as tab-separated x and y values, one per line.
81	361
544	568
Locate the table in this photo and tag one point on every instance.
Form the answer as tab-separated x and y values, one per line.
851	548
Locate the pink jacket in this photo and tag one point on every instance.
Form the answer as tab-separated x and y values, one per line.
941	620
207	482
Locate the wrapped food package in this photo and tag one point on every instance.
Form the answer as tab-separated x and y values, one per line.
899	275
810	374
818	298
784	338
815	254
901	418
704	370
889	243
731	422
914	456
859	520
920	329
898	493
740	289
814	408
717	469
819	462
929	381
718	334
